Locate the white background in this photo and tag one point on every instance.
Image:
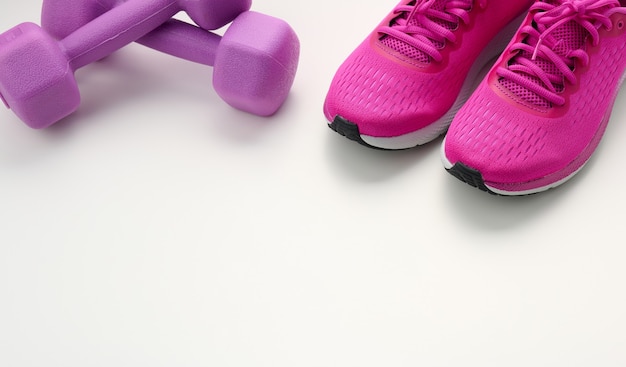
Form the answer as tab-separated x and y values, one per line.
159	227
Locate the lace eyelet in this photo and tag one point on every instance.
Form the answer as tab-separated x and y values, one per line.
620	24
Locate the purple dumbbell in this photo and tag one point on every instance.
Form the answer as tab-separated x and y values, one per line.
254	63
60	18
37	72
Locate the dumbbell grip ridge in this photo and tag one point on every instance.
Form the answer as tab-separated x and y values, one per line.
115	29
179	39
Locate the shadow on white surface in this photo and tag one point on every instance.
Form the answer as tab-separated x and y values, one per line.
490	212
108	85
242	128
363	164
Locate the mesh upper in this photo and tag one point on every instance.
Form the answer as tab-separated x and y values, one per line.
513	146
392	92
411	51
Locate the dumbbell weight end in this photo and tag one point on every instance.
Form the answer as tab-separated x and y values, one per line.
256	64
46	93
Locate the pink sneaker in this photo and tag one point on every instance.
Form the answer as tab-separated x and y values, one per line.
540	113
401	87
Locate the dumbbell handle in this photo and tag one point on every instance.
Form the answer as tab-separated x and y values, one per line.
182	40
115	29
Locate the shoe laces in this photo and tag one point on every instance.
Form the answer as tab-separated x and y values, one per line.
422	27
553	44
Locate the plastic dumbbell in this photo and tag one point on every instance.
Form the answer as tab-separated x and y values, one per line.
254	63
60	18
37	72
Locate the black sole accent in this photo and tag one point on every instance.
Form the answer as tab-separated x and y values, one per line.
349	130
470	176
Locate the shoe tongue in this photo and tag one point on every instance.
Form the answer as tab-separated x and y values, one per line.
409	50
569	37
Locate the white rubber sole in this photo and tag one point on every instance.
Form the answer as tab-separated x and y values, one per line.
448	166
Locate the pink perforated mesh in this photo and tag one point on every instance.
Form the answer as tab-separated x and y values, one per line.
405	49
388	96
569	37
371	91
410	51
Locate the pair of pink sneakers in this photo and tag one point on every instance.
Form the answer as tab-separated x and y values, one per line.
528	125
